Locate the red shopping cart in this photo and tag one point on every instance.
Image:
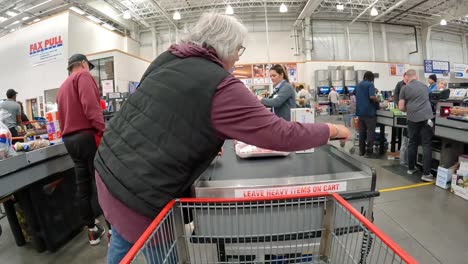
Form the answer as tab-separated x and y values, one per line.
318	228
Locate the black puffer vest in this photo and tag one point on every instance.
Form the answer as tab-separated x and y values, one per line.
162	139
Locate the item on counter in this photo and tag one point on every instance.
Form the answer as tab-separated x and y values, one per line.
5	136
53	127
459	111
32	145
245	151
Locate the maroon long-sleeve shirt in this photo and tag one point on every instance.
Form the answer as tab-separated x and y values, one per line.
79	106
235	114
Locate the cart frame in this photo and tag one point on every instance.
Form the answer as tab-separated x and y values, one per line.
357	241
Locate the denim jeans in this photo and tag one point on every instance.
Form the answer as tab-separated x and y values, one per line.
153	254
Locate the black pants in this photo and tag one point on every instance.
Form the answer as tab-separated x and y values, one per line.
82	147
367	126
420	132
13	131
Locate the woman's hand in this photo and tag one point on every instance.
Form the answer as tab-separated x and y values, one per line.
339	131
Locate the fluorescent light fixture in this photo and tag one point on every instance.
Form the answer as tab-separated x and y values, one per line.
36	20
340	7
127	15
229	10
176	15
374	12
283	8
109	27
25	18
77	10
443	22
11	13
94	19
12	30
14	23
3	19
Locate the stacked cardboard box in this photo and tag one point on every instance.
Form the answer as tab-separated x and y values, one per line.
460	178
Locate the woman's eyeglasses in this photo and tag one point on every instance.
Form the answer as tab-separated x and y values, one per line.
241	51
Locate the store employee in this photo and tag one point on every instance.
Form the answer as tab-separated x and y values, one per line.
14	109
283	97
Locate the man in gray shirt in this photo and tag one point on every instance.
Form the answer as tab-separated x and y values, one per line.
14	109
414	100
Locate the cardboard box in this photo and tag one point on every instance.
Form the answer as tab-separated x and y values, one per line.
53	127
444	176
303	115
460	185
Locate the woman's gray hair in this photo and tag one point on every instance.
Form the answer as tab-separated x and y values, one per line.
225	34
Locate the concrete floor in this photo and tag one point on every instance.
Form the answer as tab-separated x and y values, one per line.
430	223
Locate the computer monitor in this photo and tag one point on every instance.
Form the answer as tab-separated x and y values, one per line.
339	89
351	89
324	89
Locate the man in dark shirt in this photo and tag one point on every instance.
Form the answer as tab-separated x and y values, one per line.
366	111
397	90
414	100
82	124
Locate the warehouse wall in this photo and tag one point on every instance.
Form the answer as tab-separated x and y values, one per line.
88	37
126	68
330	43
18	73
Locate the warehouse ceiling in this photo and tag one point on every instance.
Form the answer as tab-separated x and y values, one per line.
146	14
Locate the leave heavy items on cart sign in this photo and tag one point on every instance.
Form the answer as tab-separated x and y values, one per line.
317	228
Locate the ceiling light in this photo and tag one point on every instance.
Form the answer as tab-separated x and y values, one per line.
109	27
25	18
339	7
443	22
374	12
94	19
127	15
77	10
14	23
3	19
176	15
11	13
12	30
283	8
36	20
229	10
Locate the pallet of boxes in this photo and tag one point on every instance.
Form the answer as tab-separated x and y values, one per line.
459	180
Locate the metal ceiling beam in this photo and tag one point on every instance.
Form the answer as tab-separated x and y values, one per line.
309	8
363	12
390	9
459	9
406	10
164	13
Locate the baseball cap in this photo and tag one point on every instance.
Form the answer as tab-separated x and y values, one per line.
77	58
10	93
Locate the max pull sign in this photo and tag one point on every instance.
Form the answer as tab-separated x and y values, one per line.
46	50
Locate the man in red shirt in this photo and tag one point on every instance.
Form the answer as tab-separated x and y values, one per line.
82	124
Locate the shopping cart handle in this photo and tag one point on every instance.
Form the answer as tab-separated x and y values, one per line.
335	139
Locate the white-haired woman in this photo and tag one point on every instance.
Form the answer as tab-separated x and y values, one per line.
441	85
173	126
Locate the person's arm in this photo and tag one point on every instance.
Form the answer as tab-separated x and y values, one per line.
396	94
402	100
17	113
237	114
372	95
283	94
89	98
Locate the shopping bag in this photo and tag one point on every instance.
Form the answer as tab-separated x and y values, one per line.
404	151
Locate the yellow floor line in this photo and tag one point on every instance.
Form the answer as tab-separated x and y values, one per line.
406	187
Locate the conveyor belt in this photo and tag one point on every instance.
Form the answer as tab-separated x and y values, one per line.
231	167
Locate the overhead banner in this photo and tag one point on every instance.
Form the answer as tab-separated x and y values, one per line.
259	74
436	67
461	71
46	50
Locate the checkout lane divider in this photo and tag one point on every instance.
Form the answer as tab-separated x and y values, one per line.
406	187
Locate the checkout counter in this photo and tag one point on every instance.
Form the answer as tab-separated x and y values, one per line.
327	169
41	182
397	124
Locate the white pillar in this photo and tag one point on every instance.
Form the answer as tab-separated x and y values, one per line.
308	38
371	42
465	48
154	42
384	38
426	40
348	42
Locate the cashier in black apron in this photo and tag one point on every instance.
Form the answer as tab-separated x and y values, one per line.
283	97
